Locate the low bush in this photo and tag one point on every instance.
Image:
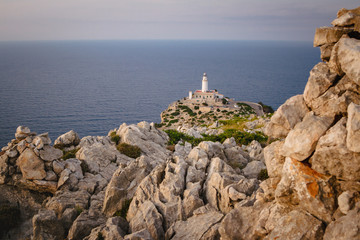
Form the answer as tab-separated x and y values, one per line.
114	137
70	154
263	175
196	107
129	150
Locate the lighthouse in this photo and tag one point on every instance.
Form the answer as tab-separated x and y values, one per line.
204	83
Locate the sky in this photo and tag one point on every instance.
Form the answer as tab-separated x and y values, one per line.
22	20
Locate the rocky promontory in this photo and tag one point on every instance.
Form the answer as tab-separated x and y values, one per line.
202	182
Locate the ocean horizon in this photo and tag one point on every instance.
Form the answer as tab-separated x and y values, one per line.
94	86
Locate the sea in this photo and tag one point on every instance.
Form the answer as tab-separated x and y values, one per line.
95	86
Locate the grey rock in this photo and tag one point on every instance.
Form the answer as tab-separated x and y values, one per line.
253	169
353	128
326	35
49	153
47	226
30	165
70	138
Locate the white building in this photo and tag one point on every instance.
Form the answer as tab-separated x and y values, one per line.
205	94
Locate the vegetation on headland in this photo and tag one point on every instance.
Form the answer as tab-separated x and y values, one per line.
242	138
129	150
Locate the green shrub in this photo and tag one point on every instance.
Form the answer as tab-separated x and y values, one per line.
224	101
175	113
266	108
70	154
129	150
124	209
174	121
196	107
263	175
159	125
205	104
200	112
218	110
114	137
78	209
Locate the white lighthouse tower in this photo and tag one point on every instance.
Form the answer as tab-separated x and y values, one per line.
204	83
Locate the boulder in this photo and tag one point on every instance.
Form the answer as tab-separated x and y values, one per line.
353	128
273	159
326	35
49	153
344	201
346	227
47	226
22	132
345	58
70	138
336	99
147	217
319	81
31	166
195	227
139	235
213	149
286	117
301	141
307	189
4	168
83	225
297	225
253	169
114	229
345	20
123	184
325	51
41	140
333	157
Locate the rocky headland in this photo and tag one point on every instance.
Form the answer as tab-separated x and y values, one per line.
301	181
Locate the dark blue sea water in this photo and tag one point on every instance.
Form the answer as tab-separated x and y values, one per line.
94	86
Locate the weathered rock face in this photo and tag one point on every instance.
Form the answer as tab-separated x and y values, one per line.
68	139
326	35
301	141
286	117
353	128
31	166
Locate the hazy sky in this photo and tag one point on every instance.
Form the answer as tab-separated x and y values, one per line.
166	19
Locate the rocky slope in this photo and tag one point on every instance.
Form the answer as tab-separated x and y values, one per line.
210	191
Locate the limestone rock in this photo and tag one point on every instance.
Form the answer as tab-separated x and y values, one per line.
353	128
149	218
63	200
333	157
58	166
273	159
4	168
346	227
30	165
325	51
235	158
345	20
150	140
47	226
344	201
49	153
253	169
114	229
123	184
319	81
301	141
139	235
213	149
345	58
307	189
286	117
70	138
41	140
83	225
297	225
336	99
326	35
22	132
195	227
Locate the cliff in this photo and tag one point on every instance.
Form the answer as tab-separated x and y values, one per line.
129	185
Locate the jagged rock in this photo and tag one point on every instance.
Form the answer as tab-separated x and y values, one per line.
41	140
114	229
307	189
269	186
297	225
195	227
229	142
49	153
346	227
4	168
286	117
192	199
63	200
333	157
326	35
343	57
273	159
336	99
123	184
235	158
139	235
70	138
39	185
58	166
344	201
30	165
253	169
50	176
47	226
22	132
150	140
12	152
319	81
353	128
325	51
182	149
345	20
149	218
83	225
197	153
301	141
213	149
